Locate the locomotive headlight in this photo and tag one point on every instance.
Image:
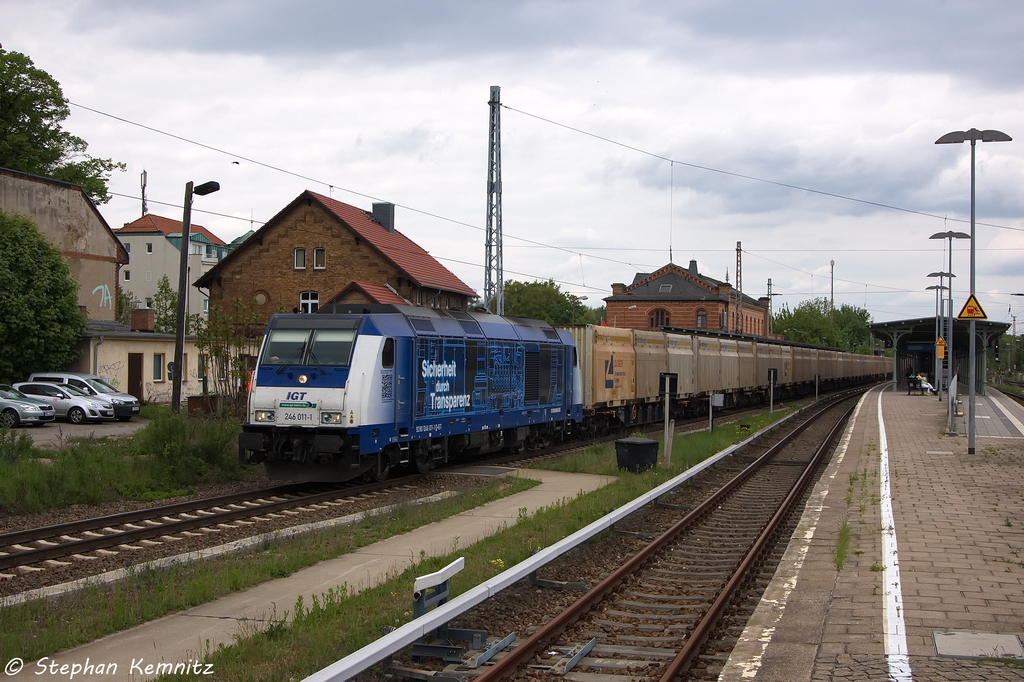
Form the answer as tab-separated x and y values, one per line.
303	378
331	417
264	415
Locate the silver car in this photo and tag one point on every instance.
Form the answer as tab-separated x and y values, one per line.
69	402
17	408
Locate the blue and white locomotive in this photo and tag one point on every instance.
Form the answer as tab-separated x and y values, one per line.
361	389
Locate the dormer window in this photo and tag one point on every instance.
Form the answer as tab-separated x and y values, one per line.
665	289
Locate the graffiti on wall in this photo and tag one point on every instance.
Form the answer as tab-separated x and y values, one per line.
106	300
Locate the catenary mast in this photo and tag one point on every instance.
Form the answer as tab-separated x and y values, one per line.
494	276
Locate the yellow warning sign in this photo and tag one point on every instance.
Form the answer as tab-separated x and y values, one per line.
972	310
940	345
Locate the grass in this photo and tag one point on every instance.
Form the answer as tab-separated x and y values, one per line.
166	458
687	449
42	627
842	545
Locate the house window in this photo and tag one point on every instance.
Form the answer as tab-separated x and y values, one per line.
702	319
660	317
127	275
722	322
158	366
319	259
309	301
201	367
300	259
149	247
149	275
665	289
128	247
206	306
196	249
149	301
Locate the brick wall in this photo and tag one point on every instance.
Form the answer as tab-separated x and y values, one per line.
267	273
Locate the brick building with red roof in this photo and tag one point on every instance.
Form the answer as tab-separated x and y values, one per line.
318	250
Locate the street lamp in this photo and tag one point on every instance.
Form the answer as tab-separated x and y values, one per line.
179	331
938	334
956	137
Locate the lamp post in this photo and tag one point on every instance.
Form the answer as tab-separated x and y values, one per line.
179	330
950	235
956	137
938	334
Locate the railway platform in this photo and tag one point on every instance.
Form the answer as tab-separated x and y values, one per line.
931	585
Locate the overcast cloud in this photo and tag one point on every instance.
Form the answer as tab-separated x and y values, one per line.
388	101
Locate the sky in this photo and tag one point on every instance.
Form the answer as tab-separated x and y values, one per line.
633	134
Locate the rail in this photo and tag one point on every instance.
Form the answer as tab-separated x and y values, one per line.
409	633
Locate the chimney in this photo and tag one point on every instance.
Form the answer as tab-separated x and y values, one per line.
384	214
693	268
143	319
618	288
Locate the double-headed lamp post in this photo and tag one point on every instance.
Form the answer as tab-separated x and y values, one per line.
956	137
179	330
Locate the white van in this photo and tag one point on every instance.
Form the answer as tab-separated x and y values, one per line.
125	405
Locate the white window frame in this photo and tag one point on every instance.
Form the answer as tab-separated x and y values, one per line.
319	258
158	367
309	302
149	247
127	275
299	258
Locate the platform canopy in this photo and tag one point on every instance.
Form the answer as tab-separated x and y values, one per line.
913	344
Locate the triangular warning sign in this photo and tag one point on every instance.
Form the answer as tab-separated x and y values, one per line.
972	310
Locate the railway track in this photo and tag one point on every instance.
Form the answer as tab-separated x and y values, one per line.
56	546
655	617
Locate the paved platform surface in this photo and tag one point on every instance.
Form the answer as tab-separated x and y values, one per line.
183	636
943	573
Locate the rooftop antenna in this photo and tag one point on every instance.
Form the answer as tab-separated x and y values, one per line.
494	275
145	209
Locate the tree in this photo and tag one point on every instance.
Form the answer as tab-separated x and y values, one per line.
126	303
40	321
545	301
165	307
816	321
228	343
32	107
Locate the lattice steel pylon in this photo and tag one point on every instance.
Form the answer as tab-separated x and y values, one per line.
739	287
494	275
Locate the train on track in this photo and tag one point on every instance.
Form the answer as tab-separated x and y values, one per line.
358	390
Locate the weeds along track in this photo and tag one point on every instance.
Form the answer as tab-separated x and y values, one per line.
670	611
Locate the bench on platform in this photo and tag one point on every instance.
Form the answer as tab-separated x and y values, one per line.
915	384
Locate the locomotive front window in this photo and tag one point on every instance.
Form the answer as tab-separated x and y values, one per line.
332	347
285	347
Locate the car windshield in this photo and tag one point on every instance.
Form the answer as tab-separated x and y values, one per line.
75	391
11	393
100	386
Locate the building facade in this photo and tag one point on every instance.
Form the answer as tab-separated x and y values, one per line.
153	244
70	221
315	248
676	297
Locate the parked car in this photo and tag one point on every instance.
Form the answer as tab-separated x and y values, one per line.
17	408
125	405
69	402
